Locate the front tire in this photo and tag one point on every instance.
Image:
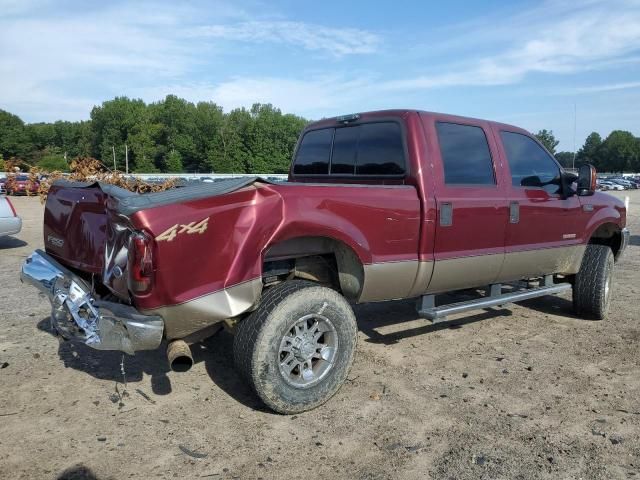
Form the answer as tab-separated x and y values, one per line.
593	283
297	348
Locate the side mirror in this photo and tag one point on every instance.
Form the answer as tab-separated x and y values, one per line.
586	180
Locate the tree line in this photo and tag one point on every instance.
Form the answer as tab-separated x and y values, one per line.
619	152
174	135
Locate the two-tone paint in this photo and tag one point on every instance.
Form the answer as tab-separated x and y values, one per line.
388	235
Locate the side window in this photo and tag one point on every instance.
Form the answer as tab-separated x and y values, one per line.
530	165
345	148
314	152
380	149
465	154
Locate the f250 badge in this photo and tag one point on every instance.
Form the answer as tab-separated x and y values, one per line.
190	228
55	241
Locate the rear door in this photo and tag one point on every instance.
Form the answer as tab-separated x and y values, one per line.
471	204
543	230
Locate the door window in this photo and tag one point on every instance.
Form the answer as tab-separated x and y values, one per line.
465	155
530	164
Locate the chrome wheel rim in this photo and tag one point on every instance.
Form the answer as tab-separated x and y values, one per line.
308	350
607	288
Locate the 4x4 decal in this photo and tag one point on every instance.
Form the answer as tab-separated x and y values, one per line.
190	228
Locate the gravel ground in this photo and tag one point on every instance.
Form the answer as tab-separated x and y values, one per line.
527	391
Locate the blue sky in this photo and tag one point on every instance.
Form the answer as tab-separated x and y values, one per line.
521	62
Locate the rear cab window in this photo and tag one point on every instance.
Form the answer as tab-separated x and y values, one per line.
373	149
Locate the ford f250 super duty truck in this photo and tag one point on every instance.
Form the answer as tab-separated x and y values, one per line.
378	206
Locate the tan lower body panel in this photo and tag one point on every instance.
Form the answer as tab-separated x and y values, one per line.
391	280
388	280
533	263
383	281
185	318
465	272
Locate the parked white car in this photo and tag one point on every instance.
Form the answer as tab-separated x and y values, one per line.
10	222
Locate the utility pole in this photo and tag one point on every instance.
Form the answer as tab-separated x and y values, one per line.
126	159
114	158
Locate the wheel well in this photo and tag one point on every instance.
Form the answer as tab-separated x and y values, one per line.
319	259
608	234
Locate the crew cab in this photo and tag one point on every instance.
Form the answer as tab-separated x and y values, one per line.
378	206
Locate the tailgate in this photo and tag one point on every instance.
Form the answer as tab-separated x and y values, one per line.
75	224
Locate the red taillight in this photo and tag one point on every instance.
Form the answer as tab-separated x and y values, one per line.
140	263
12	207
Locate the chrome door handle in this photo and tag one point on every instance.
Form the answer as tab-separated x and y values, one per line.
514	212
446	214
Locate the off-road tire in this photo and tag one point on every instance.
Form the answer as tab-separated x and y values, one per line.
256	347
593	283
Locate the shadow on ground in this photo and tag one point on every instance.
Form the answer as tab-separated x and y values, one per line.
372	317
634	240
215	352
7	243
77	472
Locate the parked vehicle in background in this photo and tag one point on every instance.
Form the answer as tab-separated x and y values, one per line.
10	222
626	182
378	206
3	181
609	185
602	185
22	185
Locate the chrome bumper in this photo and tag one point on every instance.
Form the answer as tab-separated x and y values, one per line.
76	315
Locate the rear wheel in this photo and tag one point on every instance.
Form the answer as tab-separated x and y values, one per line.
592	287
297	348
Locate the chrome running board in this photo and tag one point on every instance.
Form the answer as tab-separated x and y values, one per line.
428	310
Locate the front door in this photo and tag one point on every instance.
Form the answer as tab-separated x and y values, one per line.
542	234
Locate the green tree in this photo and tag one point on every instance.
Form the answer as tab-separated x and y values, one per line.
179	132
14	139
173	162
172	133
143	142
591	151
111	123
209	120
546	138
229	153
620	152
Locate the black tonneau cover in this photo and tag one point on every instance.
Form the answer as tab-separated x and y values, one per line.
127	202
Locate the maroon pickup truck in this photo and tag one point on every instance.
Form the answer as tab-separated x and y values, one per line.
379	206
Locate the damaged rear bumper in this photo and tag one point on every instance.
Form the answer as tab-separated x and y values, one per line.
76	315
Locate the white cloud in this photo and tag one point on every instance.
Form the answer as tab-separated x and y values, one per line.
335	41
608	87
57	63
310	97
556	38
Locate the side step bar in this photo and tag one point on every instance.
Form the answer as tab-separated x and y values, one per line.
428	310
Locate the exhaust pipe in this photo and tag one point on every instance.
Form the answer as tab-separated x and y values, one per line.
179	356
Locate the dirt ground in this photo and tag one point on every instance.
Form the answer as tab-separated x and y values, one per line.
527	391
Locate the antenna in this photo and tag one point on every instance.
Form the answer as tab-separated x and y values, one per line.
575	122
